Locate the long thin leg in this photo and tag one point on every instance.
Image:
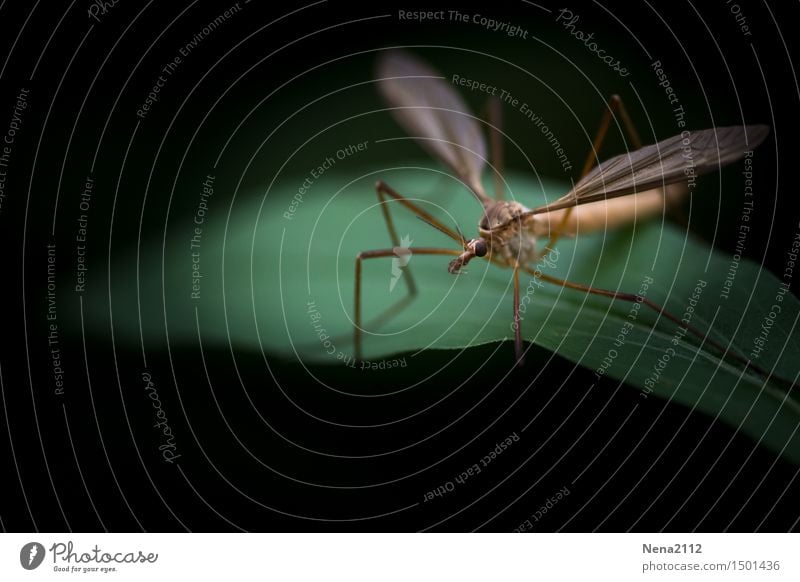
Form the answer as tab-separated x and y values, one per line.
384	189
652	305
517	321
376	254
615	106
385	192
494	111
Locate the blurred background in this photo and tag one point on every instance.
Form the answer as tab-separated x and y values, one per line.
268	443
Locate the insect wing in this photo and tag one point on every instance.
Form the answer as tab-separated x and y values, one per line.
657	165
432	112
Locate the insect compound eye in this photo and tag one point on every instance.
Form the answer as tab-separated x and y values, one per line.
480	248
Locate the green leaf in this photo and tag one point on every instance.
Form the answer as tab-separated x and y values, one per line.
278	276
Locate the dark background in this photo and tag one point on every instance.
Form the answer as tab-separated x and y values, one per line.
251	457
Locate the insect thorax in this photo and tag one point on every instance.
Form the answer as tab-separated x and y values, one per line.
509	240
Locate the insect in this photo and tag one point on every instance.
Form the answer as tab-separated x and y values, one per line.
509	233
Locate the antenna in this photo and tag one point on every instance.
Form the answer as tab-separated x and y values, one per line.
458	229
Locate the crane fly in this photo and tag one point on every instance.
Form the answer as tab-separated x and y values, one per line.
509	232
